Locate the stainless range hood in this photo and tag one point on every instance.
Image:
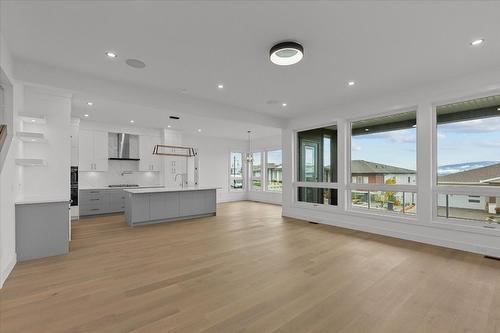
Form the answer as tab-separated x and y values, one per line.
123	147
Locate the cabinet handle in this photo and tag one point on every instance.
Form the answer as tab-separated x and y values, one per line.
94	191
95	209
95	199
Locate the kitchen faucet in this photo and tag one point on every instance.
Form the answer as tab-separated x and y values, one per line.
183	178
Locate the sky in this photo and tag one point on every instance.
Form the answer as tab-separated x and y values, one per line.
396	148
460	142
469	141
274	156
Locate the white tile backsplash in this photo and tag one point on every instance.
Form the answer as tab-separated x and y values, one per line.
114	176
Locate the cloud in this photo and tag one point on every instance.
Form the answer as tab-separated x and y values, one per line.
355	146
493	144
472	126
399	136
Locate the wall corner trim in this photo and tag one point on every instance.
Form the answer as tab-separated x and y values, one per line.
4	274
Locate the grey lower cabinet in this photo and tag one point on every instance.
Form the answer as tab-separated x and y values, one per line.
157	207
163	205
102	201
42	230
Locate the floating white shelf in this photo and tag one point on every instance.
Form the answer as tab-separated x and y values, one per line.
31	137
33	120
30	162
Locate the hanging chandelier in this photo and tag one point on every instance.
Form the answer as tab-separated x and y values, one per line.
249	156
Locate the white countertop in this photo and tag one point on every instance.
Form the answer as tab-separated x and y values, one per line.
38	200
116	188
167	189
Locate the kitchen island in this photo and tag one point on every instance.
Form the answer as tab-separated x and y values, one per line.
157	205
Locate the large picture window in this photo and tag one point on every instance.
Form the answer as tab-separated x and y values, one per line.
468	157
274	170
383	163
317	166
256	171
236	175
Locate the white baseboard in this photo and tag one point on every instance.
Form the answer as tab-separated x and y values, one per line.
4	274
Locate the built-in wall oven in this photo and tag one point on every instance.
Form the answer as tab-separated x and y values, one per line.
74	186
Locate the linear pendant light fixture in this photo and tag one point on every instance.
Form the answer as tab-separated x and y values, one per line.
286	53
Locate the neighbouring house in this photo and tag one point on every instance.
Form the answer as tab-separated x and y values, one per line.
364	172
484	176
275	174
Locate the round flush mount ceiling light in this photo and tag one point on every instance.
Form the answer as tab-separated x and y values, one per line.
90	103
220	86
135	63
351	83
284	104
132	121
286	53
477	42
86	115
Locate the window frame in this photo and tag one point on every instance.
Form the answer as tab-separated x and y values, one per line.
243	171
326	185
457	189
264	169
350	186
250	173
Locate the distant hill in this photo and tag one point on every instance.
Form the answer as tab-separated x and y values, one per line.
454	168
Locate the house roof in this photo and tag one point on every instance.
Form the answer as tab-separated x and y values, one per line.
365	167
486	175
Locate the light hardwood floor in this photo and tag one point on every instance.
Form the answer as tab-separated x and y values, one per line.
249	270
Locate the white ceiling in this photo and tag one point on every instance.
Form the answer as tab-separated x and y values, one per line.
119	113
382	45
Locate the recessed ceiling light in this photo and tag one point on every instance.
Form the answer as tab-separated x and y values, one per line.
33	120
86	115
90	103
199	129
132	121
286	53
415	125
351	83
169	126
477	42
367	130
220	86
283	104
498	109
111	54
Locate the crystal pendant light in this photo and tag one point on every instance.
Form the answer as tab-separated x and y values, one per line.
249	156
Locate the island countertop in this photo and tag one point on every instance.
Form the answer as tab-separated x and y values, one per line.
168	189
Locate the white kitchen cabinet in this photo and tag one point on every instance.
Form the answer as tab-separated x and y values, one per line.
148	161
93	150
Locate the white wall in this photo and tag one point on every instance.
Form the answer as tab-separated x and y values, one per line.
214	163
50	181
262	145
8	177
115	168
425	227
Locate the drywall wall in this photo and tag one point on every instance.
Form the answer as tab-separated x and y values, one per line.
9	177
52	180
214	156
